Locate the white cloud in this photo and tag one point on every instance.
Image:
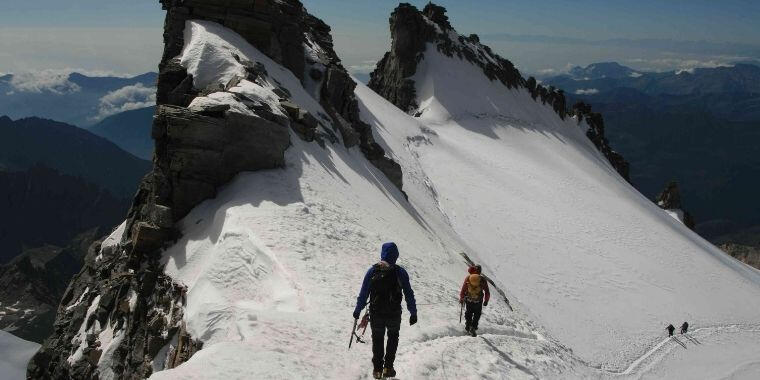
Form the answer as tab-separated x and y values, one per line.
586	91
55	81
125	99
363	67
680	64
551	71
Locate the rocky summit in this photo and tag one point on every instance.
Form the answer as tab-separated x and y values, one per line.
121	316
412	31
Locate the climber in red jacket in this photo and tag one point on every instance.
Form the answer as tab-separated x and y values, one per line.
474	295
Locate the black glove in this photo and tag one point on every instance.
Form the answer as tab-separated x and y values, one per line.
412	320
485	303
356	315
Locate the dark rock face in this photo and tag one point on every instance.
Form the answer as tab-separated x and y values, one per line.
670	199
197	149
143	306
279	29
32	284
412	30
595	133
747	254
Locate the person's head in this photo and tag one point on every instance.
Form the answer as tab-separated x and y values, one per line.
389	253
475	269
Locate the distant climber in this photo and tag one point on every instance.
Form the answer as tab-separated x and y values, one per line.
474	295
670	329
685	328
384	284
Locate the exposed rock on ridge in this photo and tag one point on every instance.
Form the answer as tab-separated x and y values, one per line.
31	285
670	199
199	146
595	133
412	30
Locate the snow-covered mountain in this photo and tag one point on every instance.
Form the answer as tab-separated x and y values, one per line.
276	179
603	70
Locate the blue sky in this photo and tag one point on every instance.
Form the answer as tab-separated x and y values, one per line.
539	36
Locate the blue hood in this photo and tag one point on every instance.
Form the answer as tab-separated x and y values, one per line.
389	253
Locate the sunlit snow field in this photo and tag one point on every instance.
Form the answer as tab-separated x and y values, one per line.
594	270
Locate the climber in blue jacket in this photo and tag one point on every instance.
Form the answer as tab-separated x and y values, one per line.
384	284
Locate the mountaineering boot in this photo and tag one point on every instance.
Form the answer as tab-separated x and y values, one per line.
473	332
377	374
389	372
467	328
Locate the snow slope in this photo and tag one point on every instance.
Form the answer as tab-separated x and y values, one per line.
14	355
274	263
601	267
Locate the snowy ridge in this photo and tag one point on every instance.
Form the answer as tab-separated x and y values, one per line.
273	263
208	56
594	261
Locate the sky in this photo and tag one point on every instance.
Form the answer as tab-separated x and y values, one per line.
540	37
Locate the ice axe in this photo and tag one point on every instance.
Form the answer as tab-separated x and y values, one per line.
353	329
362	325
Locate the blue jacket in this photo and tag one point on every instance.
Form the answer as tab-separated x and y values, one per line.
389	254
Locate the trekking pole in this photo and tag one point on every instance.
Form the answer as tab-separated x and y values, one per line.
461	307
351	340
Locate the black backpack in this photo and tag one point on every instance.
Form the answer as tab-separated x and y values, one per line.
385	291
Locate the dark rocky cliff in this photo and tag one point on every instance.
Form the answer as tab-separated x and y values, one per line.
122	285
670	199
412	30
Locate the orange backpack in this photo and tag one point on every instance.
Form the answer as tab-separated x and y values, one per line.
474	288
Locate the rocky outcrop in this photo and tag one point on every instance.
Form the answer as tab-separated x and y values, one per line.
595	133
32	284
670	199
282	30
413	30
747	254
200	144
115	319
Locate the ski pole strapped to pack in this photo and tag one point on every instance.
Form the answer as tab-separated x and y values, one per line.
498	290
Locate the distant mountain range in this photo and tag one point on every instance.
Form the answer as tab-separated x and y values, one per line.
700	127
73	98
61	189
45	271
129	130
602	70
70	150
57	180
39	206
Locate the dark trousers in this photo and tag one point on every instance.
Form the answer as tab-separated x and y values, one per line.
379	325
472	314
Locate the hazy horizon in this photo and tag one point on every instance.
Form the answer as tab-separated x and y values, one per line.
109	37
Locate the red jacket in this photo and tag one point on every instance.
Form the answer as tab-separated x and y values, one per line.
483	287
